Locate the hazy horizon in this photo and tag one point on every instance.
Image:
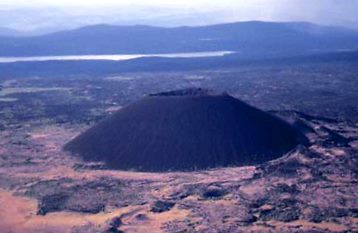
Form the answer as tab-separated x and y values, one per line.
47	16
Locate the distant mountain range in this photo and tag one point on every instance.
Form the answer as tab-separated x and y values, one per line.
250	39
9	32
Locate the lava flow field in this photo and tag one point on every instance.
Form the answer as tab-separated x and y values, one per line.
311	188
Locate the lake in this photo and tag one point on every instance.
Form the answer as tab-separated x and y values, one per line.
113	57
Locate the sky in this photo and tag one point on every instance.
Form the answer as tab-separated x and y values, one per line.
52	15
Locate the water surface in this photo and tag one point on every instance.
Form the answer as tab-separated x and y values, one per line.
112	57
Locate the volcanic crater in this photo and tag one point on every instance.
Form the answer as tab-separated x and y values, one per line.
186	130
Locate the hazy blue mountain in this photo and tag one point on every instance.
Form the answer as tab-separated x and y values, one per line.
9	32
253	39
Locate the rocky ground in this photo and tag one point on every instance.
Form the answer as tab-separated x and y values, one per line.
311	189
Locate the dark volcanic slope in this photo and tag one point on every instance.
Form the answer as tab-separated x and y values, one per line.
185	130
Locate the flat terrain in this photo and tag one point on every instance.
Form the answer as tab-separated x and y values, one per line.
311	189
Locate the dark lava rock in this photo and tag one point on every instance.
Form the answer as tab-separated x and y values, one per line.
254	204
285	210
335	139
141	217
336	212
287	202
314	214
64	201
89	166
214	192
286	168
52	203
247	220
161	206
113	230
86	197
114	223
187	190
91	208
284	215
285	188
186	130
353	213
